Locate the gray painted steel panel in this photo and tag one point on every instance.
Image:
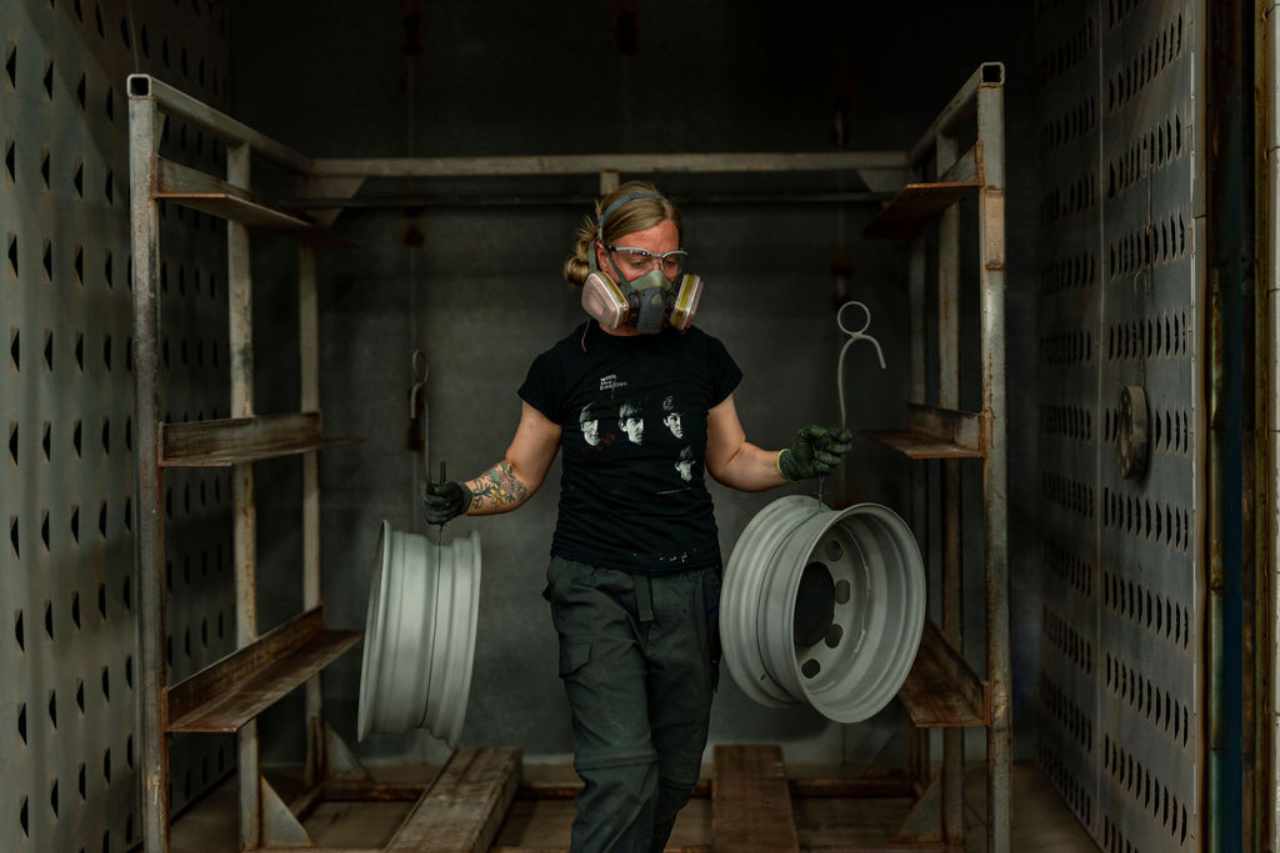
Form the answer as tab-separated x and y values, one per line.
1070	423
1149	692
1119	731
67	696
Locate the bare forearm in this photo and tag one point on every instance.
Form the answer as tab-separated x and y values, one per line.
497	490
751	469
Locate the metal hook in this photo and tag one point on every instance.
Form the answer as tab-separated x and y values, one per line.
860	334
421	369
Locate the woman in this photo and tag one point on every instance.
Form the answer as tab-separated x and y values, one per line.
634	580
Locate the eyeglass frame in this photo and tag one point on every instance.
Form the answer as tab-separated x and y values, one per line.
647	257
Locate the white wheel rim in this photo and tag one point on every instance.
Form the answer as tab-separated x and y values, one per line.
420	634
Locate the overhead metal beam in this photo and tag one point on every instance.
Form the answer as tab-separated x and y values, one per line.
569	200
594	164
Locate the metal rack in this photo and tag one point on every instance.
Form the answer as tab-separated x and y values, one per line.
228	695
942	691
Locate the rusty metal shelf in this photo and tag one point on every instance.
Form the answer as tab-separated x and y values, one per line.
246	211
225	695
915	205
232	441
937	433
919	445
941	690
201	191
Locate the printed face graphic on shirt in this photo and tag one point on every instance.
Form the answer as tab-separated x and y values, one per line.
590	425
685	464
671	418
631	420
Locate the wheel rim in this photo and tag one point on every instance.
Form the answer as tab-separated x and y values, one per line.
420	628
823	607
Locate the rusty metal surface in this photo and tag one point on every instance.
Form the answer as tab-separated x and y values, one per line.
1226	239
942	691
1266	781
316	766
224	696
239	439
916	205
69	698
243	501
948	331
1120	645
192	360
995	473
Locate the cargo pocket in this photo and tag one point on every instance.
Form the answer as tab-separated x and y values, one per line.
574	655
561	577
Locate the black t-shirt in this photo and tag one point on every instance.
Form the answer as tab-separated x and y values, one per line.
633	412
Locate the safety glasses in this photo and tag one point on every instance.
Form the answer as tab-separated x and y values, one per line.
638	261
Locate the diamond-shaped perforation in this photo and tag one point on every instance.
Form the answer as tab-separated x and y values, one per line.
69	444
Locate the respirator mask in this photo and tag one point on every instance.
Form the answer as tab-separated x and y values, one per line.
646	303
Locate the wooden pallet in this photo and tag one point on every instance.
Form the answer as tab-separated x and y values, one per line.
465	807
460	812
749	804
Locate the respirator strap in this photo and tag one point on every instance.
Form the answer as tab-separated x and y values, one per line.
604	217
611	209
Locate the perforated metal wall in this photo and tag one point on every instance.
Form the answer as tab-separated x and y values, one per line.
1070	300
1120	658
68	695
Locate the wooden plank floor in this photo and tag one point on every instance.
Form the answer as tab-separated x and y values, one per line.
463	810
1041	822
750	802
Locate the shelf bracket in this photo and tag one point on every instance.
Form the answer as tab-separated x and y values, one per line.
339	758
923	823
279	826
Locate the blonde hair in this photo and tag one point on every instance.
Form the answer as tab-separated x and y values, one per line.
635	215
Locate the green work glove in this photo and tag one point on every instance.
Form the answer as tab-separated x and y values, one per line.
815	451
444	501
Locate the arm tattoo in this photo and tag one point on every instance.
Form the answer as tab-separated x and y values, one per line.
496	490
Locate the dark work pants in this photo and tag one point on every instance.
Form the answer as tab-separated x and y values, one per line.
639	658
